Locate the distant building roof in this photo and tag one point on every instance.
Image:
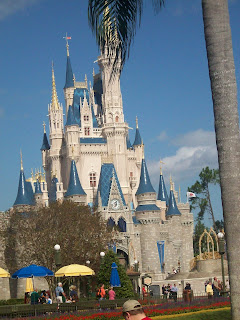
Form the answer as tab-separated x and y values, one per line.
147	207
92	141
172	209
25	193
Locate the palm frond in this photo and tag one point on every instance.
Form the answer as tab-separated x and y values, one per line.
111	19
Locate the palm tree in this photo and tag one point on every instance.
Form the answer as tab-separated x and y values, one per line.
122	18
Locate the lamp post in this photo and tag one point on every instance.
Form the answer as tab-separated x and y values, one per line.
102	255
58	260
135	265
221	243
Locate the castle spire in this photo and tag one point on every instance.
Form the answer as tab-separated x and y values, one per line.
55	103
74	186
24	195
138	139
145	185
172	209
162	191
45	144
69	74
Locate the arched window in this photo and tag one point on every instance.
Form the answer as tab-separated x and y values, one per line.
111	222
92	179
116	118
87	131
86	118
122	225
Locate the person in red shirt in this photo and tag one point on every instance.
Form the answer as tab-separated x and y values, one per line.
102	292
132	310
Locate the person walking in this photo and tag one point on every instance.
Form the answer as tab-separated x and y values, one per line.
133	310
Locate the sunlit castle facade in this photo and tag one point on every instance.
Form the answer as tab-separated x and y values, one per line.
89	159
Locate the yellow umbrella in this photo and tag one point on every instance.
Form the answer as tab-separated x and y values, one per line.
4	273
74	270
29	285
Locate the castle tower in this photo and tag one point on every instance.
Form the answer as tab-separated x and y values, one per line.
172	208
25	193
162	198
55	113
138	144
38	195
114	127
148	214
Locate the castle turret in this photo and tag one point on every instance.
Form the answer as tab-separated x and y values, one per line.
75	191
38	195
137	144
148	214
24	196
45	148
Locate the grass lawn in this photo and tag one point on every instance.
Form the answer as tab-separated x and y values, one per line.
217	314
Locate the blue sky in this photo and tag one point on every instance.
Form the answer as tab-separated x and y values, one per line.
165	83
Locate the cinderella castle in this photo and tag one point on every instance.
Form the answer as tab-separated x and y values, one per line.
90	160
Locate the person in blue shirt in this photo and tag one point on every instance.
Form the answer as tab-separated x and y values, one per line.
60	293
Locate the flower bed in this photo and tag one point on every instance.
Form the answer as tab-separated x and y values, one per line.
151	311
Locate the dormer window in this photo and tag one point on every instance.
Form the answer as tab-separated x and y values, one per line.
86	118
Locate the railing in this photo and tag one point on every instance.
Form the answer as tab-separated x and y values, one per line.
87	307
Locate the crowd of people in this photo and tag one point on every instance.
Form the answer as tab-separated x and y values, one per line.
215	287
170	291
102	293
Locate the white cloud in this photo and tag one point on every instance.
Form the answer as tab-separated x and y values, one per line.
9	7
195	138
163	136
196	150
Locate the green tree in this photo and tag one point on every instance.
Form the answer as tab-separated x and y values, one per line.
80	234
201	189
126	289
121	20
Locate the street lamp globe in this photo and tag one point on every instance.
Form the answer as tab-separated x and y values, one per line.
135	261
57	247
102	254
88	262
220	235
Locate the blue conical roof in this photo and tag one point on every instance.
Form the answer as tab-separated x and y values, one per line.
95	124
74	186
45	144
145	185
128	142
172	209
38	187
69	75
71	121
162	191
138	139
53	190
24	195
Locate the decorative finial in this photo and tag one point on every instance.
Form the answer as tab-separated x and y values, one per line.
143	156
93	72
54	91
21	159
32	173
171	183
72	152
137	122
161	162
67	45
179	195
44	127
85	77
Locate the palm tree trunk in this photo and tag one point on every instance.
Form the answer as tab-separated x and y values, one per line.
224	95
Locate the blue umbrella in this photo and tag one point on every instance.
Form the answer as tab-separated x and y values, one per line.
114	279
32	271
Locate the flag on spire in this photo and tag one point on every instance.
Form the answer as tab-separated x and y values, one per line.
191	195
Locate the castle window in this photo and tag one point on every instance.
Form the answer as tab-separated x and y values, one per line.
86	118
122	225
116	119
87	131
92	179
111	222
131	174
